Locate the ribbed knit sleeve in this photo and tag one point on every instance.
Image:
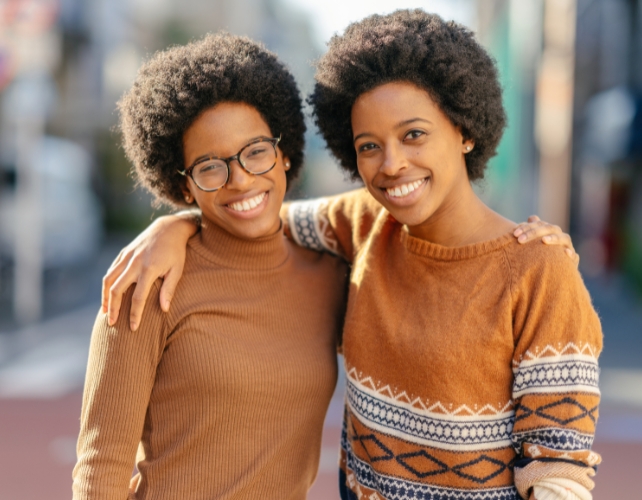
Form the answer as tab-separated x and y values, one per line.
120	375
558	338
338	224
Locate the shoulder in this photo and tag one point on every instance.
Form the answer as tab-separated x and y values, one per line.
321	262
153	322
350	204
538	259
358	202
544	273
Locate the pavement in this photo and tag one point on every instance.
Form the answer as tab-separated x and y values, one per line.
42	371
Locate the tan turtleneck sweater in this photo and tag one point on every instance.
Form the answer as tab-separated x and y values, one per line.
224	397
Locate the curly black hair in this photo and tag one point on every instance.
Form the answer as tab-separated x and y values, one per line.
176	85
440	57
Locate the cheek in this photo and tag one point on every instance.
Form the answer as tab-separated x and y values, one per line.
367	174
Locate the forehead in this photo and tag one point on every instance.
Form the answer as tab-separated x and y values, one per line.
224	128
393	102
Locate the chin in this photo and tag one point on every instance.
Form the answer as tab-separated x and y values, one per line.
253	231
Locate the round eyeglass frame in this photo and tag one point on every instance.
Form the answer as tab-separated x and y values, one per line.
188	171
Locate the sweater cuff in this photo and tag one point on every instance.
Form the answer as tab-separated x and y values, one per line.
535	472
556	488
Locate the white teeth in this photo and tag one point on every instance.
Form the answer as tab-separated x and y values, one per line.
404	189
245	205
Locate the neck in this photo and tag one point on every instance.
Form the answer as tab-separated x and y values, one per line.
462	220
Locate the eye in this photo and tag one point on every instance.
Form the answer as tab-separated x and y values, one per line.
368	146
208	167
414	134
256	150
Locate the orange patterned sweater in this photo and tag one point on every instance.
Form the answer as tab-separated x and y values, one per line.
472	371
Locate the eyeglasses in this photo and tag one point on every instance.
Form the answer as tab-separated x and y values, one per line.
211	172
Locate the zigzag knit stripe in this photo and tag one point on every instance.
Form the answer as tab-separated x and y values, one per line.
361	474
555	374
449	432
554	438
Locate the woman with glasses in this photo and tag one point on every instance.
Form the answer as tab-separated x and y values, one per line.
225	396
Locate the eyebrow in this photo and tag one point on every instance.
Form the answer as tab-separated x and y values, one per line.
212	155
398	125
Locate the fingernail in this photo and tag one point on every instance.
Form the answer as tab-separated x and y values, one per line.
546	239
133	326
518	231
569	252
522	238
165	305
110	321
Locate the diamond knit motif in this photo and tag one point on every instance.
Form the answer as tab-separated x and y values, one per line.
500	467
421	464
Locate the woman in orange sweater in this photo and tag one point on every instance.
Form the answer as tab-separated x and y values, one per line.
224	397
471	359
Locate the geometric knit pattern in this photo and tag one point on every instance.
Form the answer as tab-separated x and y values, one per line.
555	374
434	429
462	364
363	475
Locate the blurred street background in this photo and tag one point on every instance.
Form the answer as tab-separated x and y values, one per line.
572	77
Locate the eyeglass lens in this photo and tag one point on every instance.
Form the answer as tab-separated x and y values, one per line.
257	158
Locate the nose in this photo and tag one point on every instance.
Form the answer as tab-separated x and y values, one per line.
240	179
394	160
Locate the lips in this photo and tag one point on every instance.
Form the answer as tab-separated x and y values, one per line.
247	204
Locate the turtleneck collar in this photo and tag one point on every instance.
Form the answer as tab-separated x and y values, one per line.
227	250
440	252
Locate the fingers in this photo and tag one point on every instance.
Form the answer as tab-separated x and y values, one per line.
564	240
535	229
112	273
550	234
170	282
139	298
127	277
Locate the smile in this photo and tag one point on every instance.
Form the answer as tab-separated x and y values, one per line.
405	189
249	204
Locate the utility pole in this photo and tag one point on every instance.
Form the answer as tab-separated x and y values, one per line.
554	111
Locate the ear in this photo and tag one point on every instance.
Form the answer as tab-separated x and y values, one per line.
187	193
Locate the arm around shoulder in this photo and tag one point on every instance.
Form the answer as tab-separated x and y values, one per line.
336	224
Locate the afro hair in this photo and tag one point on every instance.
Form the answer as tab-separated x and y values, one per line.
440	57
176	85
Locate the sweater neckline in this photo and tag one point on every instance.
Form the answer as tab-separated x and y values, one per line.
227	250
440	252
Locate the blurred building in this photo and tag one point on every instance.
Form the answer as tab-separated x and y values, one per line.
63	178
572	82
572	153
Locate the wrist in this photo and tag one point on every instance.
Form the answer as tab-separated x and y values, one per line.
186	222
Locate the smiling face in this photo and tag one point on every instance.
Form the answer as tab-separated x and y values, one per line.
248	205
409	154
